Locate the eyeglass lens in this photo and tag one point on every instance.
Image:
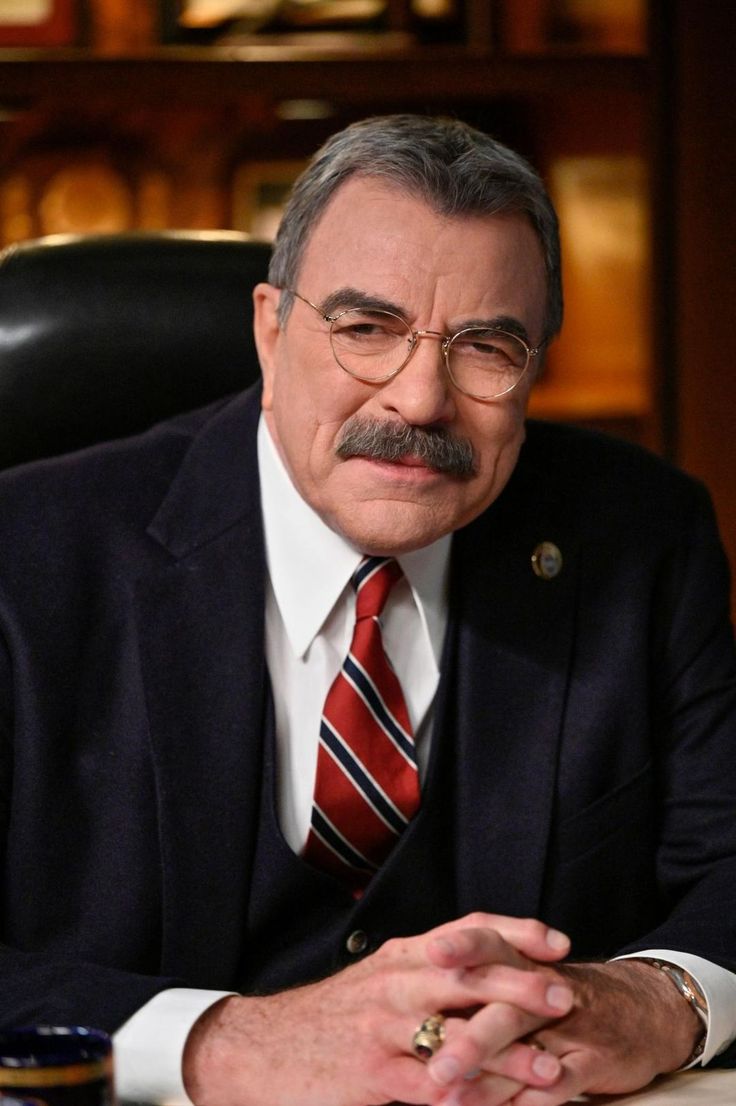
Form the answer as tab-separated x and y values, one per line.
374	345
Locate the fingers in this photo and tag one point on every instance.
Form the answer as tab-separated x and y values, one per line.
494	979
416	990
528	936
487	969
489	1042
494	1090
540	992
514	998
409	1081
466	1059
532	1088
576	1076
447	1080
476	947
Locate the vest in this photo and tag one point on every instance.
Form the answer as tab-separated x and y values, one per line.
303	924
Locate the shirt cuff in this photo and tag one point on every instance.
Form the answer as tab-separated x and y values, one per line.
719	987
149	1047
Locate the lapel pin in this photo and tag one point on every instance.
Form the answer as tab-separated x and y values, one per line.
547	560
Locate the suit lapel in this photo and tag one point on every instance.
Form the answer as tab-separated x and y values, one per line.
202	658
513	636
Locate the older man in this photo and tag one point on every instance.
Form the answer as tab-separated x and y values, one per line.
336	716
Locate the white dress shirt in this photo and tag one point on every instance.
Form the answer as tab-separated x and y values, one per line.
310	616
310	613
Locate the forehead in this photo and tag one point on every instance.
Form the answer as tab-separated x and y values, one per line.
375	237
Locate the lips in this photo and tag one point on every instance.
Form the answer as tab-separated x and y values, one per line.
412	461
409	467
406	460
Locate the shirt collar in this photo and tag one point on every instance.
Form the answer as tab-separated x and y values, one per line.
309	564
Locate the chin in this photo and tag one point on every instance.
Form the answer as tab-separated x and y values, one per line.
389	533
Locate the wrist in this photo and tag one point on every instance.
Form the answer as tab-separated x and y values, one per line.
680	983
202	1051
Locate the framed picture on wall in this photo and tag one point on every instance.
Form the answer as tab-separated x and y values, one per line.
38	22
260	190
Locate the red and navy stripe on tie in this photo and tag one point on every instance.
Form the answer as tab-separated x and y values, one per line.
367	784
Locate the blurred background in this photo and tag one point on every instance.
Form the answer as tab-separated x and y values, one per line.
123	115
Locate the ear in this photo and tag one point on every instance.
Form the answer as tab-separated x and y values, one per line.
267	333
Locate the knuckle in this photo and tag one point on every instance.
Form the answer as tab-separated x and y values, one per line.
519	985
539	981
392	949
478	920
532	929
511	1021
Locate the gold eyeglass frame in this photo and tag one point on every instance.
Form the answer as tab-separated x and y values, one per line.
414	336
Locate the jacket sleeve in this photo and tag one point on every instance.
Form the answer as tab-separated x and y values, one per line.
47	977
693	677
693	673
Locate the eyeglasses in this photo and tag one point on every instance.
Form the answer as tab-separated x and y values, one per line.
373	345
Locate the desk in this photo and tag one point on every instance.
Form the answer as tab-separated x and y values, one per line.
705	1088
710	1088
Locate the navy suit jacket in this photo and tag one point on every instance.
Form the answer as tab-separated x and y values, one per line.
592	716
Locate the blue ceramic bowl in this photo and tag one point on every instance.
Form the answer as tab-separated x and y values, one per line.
55	1065
45	1046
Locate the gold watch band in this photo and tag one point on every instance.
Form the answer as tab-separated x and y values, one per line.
691	992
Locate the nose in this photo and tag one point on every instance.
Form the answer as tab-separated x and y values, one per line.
421	394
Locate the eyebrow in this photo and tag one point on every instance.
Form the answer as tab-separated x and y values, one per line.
353	298
508	323
348	298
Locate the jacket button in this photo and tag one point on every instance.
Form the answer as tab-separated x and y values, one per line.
357	942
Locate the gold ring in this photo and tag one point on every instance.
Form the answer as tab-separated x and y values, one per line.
429	1037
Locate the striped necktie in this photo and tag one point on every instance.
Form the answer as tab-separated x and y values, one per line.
367	783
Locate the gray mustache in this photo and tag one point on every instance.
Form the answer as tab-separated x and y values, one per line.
385	441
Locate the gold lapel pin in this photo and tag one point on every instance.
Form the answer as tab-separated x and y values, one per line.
547	560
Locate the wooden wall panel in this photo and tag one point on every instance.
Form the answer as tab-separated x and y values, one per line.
705	250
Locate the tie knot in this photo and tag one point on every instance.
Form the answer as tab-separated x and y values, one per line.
373	580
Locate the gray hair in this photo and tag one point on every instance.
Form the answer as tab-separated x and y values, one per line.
453	167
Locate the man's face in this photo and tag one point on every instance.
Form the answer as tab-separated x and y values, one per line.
440	274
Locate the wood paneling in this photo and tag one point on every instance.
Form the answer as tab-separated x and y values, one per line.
704	183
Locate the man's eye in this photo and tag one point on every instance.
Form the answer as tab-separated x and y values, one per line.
480	347
364	330
367	329
494	350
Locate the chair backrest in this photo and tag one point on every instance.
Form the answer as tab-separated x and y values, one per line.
103	335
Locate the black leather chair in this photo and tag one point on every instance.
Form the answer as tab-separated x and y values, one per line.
103	335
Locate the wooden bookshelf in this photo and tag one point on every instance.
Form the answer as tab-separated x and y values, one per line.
175	128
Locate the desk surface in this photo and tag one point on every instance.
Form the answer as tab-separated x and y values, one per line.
705	1088
711	1088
